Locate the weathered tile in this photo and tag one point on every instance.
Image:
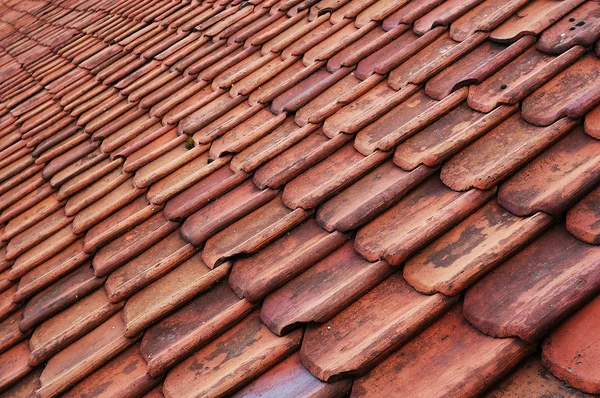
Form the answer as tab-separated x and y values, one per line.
87	178
255	276
191	327
541	285
484	17
571	351
168	293
14	365
147	267
571	93
500	152
323	290
530	378
592	122
404	120
74	363
234	359
59	295
290	378
25	387
476	66
10	334
437	364
31	216
583	220
356	339
124	376
443	15
578	27
423	214
64	328
369	196
131	244
448	135
471	249
556	179
252	232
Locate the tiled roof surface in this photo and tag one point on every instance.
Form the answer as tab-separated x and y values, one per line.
287	198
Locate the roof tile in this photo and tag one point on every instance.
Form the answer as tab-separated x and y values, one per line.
25	387
583	219
443	15
323	290
560	275
357	338
13	365
592	123
10	334
471	249
424	213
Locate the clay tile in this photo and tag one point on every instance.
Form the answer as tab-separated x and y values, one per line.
432	59
131	244
395	53
253	232
369	196
409	13
17	166
234	118
191	327
237	364
560	275
592	123
337	37
168	90
484	17
23	196
520	78
62	329
288	31
36	234
215	184
242	69
378	11
64	292
578	27
74	169
474	247
583	219
31	217
203	115
255	276
14	365
125	375
530	378
475	67
83	357
42	252
47	273
443	15
7	304
334	98
295	160
227	209
98	201
572	93
366	109
348	345
323	290
175	107
556	179
168	293
426	212
87	178
436	362
570	351
351	9
404	120
500	152
144	269
26	386
334	173
290	378
10	334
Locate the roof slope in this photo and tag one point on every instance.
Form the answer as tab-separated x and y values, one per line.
299	198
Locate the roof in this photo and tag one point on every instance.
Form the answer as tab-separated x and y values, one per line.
287	198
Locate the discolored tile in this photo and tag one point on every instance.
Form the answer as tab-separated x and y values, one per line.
583	220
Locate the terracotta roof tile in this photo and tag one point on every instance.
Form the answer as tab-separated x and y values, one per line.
583	218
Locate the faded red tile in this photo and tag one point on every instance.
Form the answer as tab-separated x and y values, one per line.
14	365
437	364
578	27
571	93
322	291
234	359
471	249
583	220
426	212
25	387
191	327
443	15
356	339
571	352
500	152
592	123
10	334
556	179
541	285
